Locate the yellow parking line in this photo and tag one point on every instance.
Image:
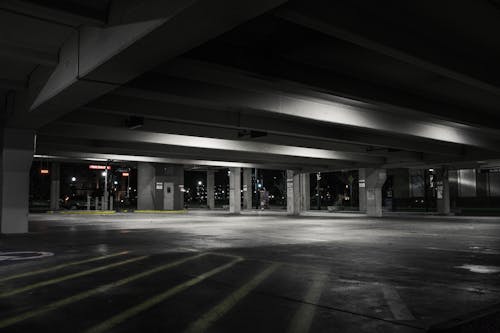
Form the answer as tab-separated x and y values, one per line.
152	211
301	322
68	277
206	320
78	297
88	212
50	269
121	317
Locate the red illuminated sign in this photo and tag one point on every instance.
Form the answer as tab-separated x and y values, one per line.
99	167
125	174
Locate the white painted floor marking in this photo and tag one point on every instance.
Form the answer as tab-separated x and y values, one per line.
396	304
301	322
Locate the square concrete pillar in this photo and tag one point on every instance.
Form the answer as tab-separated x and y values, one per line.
305	191
362	190
374	180
55	185
145	186
247	188
16	159
235	190
443	192
293	195
211	189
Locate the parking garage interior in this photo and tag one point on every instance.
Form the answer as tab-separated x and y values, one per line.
249	166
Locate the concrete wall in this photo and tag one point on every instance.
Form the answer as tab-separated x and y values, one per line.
151	182
494	184
466	179
400	183
16	158
417	183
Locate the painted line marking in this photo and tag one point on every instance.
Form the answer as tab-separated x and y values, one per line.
50	269
218	311
396	304
108	324
78	297
68	277
301	322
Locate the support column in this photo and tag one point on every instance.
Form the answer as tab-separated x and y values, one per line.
293	197
55	185
247	188
362	190
16	159
375	179
145	186
211	189
305	191
235	190
443	192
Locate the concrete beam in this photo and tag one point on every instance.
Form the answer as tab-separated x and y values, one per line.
125	135
96	60
128	101
51	146
329	109
89	155
292	73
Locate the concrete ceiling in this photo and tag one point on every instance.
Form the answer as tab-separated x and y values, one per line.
311	85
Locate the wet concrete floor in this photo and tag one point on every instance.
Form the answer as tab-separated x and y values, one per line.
216	272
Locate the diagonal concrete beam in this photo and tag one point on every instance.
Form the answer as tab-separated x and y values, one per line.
96	60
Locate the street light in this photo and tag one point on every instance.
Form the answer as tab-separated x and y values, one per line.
200	182
73	179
